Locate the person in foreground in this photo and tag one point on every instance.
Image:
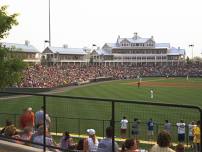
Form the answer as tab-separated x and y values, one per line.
105	144
91	143
130	145
163	143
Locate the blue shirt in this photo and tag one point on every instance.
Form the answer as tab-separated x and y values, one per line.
150	125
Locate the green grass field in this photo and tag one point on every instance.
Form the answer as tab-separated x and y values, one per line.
82	114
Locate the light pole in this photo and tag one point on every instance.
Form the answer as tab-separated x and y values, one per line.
49	23
46	41
192	46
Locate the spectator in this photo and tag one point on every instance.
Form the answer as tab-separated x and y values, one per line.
8	123
124	126
26	134
180	148
130	145
105	144
66	142
163	143
196	140
167	126
181	131
150	128
39	136
48	121
91	143
136	128
39	117
191	136
9	130
80	146
27	119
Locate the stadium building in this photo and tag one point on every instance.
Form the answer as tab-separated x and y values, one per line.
64	55
138	51
27	52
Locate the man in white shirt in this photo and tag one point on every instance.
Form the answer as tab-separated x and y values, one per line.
181	131
124	126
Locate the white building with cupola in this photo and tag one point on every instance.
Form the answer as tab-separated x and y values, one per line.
138	51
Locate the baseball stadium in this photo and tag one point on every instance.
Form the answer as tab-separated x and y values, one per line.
78	97
132	95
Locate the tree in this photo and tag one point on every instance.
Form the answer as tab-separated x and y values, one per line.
10	67
188	60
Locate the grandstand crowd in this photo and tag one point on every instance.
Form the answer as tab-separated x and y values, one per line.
33	129
32	124
39	76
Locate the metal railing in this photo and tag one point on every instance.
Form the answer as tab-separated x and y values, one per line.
113	108
57	131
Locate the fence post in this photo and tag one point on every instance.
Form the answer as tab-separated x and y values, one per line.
103	128
157	128
79	127
113	126
200	130
129	132
187	134
56	125
15	119
44	122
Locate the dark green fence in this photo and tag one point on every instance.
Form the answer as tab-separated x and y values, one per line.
76	114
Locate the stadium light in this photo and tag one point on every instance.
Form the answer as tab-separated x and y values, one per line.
49	12
192	46
46	41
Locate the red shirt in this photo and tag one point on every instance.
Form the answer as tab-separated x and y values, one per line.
27	119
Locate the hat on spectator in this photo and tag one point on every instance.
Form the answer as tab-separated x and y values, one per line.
91	131
29	109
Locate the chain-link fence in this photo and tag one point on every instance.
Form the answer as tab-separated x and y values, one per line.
77	114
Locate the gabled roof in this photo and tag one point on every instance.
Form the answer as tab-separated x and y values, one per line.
162	45
112	45
20	47
62	50
175	51
103	52
131	40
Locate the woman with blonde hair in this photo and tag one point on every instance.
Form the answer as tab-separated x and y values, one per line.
91	143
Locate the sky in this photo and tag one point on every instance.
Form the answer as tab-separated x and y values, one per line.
81	23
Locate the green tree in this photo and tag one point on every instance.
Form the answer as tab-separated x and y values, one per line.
188	60
10	67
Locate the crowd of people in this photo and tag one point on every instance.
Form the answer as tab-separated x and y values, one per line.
32	129
193	129
39	76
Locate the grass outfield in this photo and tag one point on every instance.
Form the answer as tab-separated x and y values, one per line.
178	90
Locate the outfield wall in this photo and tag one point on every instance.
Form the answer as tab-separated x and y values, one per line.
27	90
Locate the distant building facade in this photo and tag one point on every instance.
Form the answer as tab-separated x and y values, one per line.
64	56
128	51
137	50
27	52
